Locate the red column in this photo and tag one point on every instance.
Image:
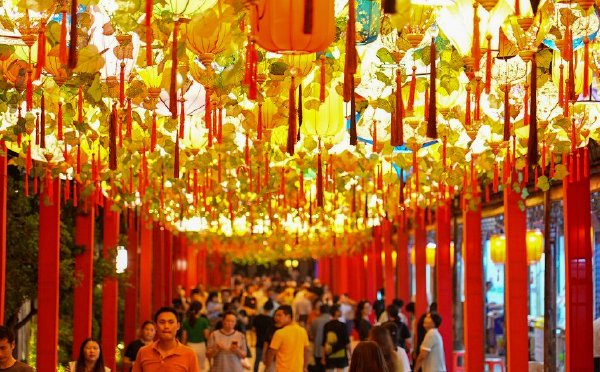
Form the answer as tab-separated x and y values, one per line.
388	267
168	267
421	302
578	252
335	274
371	275
403	261
145	280
110	288
377	250
192	264
158	282
355	276
341	263
3	196
84	269
473	307
202	278
48	278
443	268
324	273
516	281
180	262
131	291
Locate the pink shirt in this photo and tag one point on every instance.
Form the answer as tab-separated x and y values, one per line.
180	359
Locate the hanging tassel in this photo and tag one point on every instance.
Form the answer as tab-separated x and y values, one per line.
468	107
323	72
353	130
526	101
251	69
78	166
176	157
389	6
220	126
35	185
308	17
215	128
153	133
63	54
80	105
28	165
299	111
477	99
426	107
59	121
29	90
506	113
174	62
476	48
532	144
571	82
432	119
320	196
412	90
73	35
112	134
398	122
67	191
259	128
43	122
207	110
543	157
488	64
586	66
182	117
149	36
128	119
561	84
41	51
518	8
291	138
351	59
374	136
495	180
122	85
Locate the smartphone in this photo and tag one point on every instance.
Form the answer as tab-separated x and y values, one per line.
234	343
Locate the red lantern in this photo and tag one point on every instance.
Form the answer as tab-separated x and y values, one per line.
300	26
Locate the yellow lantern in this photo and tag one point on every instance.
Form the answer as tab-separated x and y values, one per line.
412	256
430	253
326	122
498	249
189	7
301	63
535	246
209	33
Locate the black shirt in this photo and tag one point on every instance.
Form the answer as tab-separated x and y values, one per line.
341	332
262	324
133	348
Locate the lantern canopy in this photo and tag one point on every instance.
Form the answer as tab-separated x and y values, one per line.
293	27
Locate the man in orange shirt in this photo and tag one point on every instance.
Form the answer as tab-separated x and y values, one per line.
289	346
167	354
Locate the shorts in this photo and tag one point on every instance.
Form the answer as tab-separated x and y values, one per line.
337	363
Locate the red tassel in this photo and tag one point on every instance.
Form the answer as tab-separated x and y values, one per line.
476	48
41	51
207	110
426	106
398	122
495	180
468	107
29	90
78	168
248	63
62	49
35	185
543	157
351	60
176	158
412	90
149	36
535	178
153	133
586	66
506	113
59	121
374	136
353	130
80	105
517	8
112	134
220	126
532	144
561	84
73	35
291	138
128	118
432	119
75	193
323	71
300	113
67	190
320	196
258	177
28	165
526	101
182	117
43	122
259	129
488	65
252	83
174	62
122	85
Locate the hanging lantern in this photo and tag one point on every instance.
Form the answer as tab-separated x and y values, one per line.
327	121
498	249
209	33
302	63
535	246
430	254
368	21
295	26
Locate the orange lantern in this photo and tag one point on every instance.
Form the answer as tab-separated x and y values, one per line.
295	26
498	249
535	246
430	254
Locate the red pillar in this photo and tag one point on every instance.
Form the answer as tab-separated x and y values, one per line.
421	302
145	279
110	288
84	269
202	278
388	267
3	196
192	265
371	275
516	281
403	261
473	307
48	278
168	267
578	252
324	270
377	250
443	268
131	292
158	282
180	262
355	276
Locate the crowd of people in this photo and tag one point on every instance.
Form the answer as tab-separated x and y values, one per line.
280	326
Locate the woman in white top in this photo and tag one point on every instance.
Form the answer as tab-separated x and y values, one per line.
90	358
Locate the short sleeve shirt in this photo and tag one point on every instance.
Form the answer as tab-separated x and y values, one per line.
133	348
195	333
18	367
289	343
435	346
180	359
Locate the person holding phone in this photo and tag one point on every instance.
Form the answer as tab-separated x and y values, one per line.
226	346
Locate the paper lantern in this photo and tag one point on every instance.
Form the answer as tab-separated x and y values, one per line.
430	254
189	7
368	21
209	34
295	26
498	249
302	63
326	122
535	246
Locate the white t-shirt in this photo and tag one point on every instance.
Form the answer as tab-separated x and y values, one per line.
434	344
403	359
597	338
